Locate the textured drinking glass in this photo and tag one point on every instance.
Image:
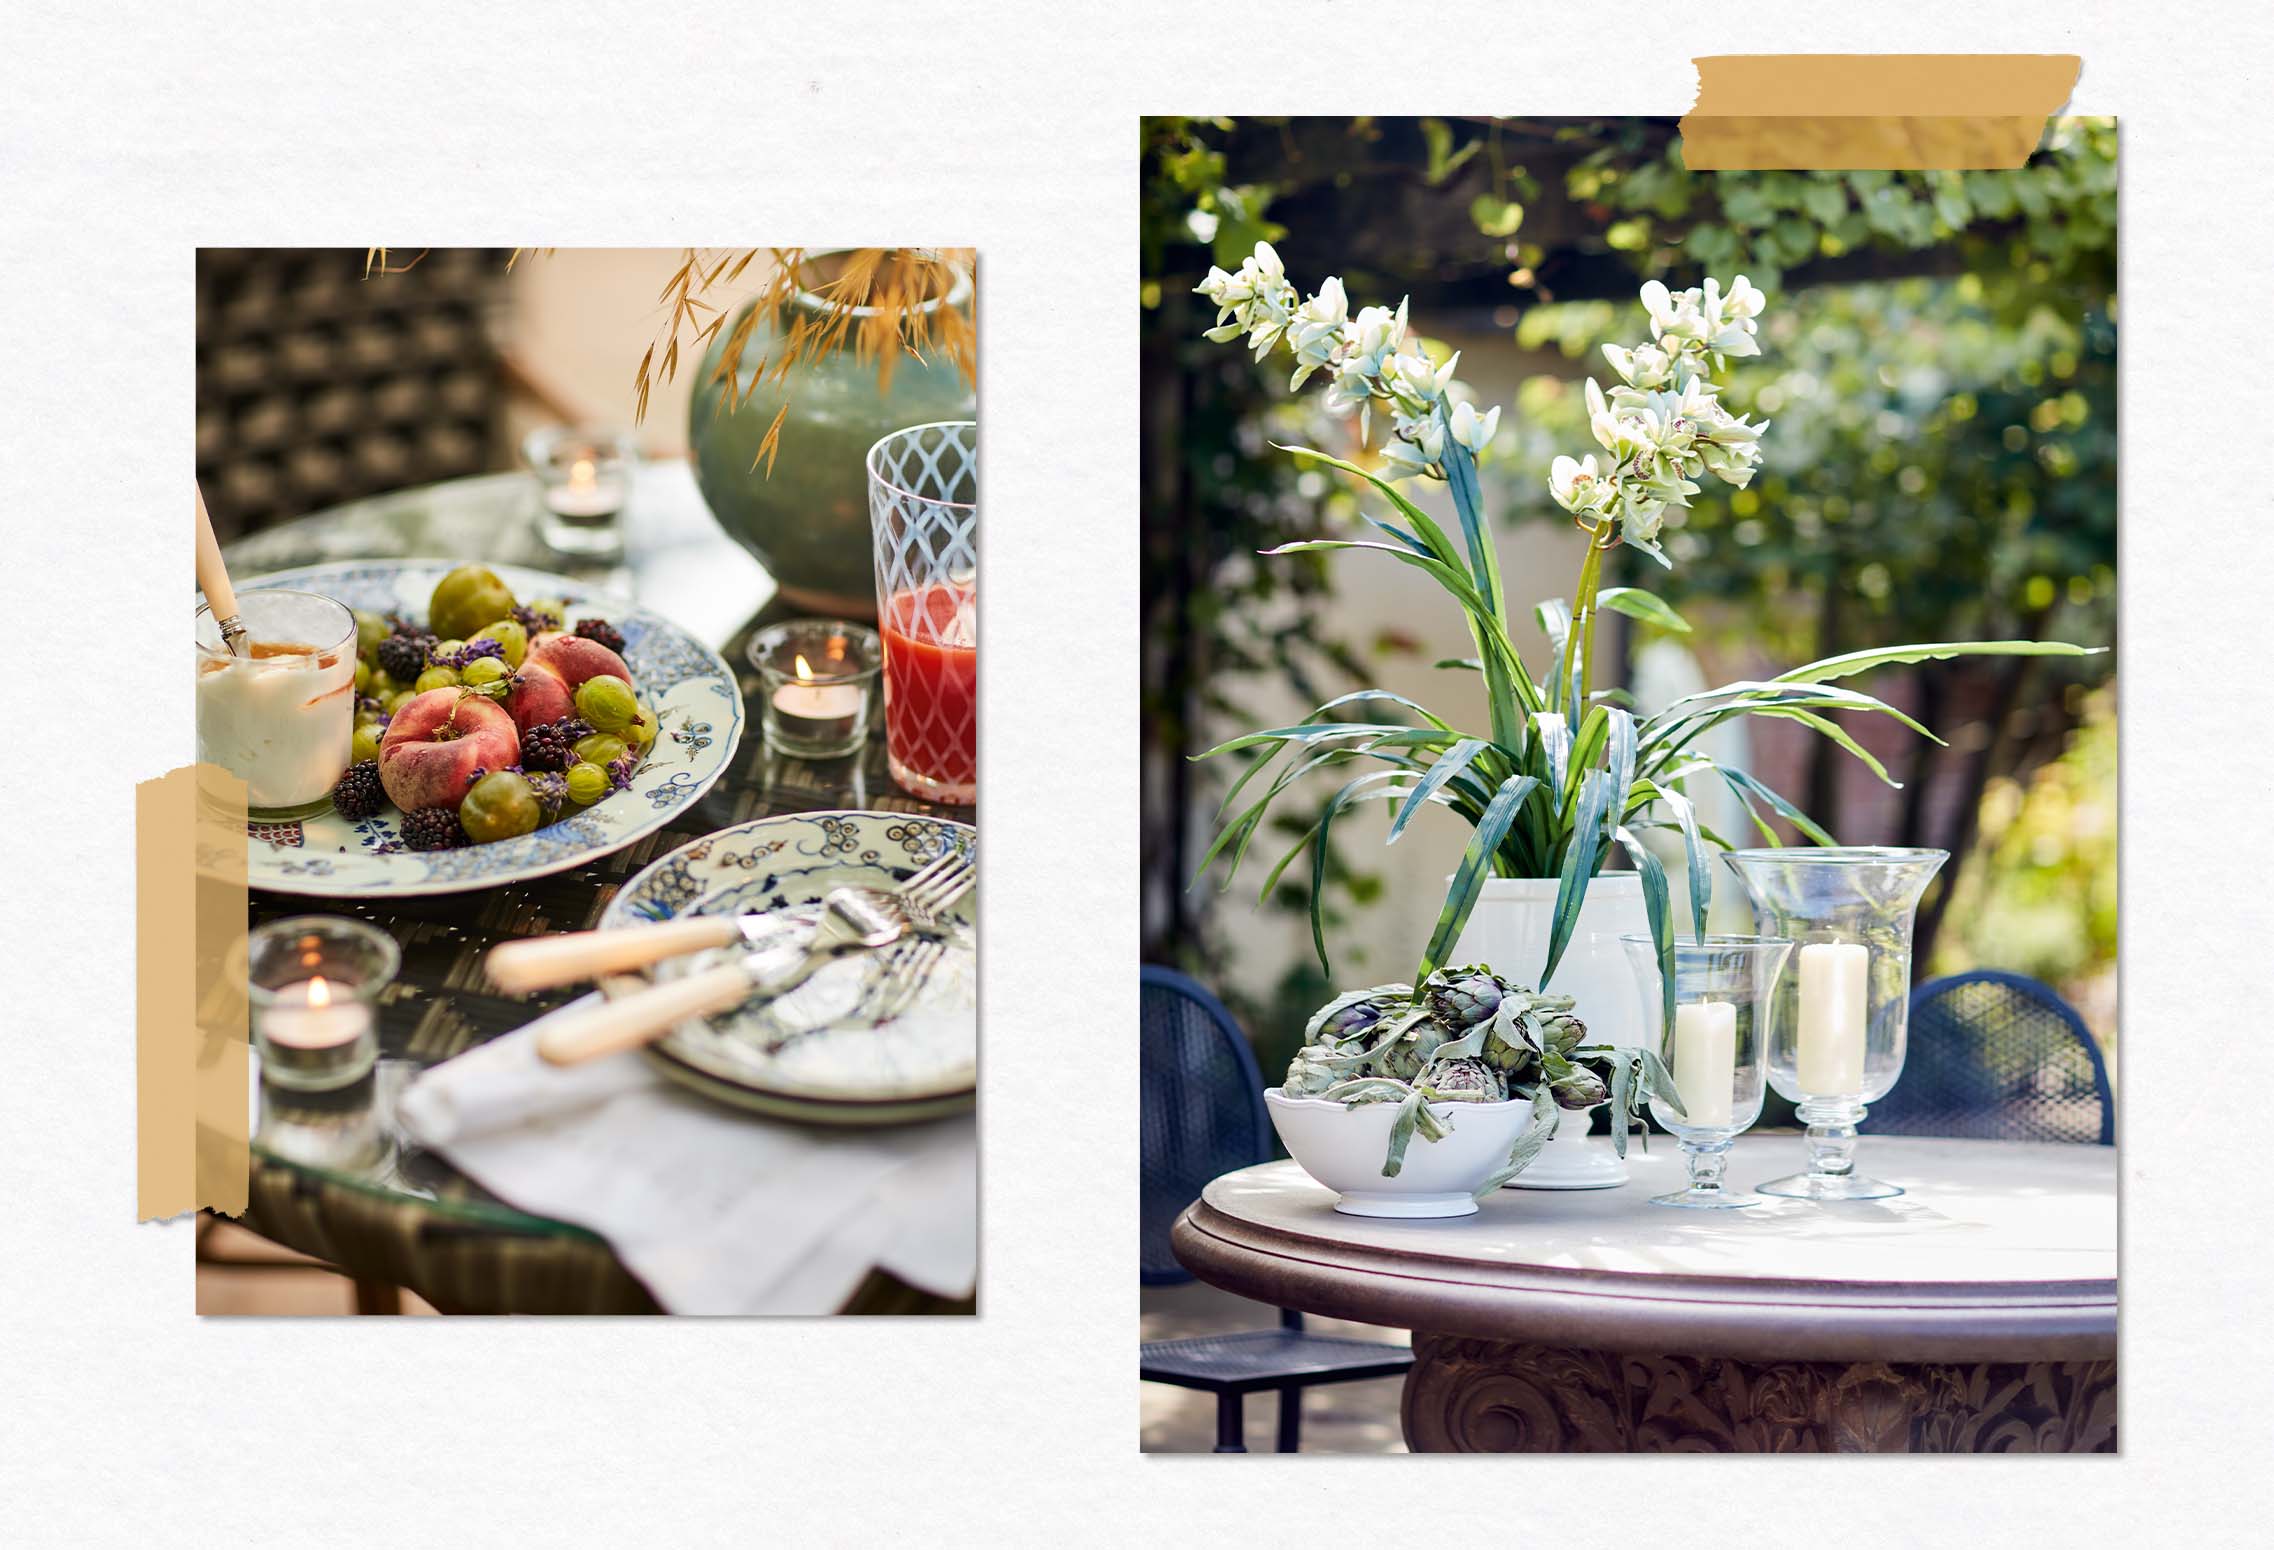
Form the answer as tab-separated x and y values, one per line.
315	982
1844	1006
1724	1006
924	519
281	717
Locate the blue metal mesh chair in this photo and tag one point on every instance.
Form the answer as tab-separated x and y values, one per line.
1203	1116
1997	1056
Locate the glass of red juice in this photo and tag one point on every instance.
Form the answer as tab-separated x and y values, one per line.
924	518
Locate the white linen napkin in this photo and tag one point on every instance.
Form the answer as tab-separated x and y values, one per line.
715	1211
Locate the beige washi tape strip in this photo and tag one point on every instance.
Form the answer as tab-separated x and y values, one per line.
1852	112
191	1059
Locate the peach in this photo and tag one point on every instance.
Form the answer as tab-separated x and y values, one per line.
436	743
545	689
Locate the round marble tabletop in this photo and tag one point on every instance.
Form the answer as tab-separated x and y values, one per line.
1997	1251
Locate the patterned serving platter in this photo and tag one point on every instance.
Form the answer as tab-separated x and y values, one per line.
792	1058
698	710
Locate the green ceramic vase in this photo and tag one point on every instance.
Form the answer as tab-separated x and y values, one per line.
808	521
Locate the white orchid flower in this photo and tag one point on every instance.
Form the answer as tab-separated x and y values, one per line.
1578	484
1473	430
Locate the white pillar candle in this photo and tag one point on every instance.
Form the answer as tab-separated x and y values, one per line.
1834	1013
1705	1062
321	1023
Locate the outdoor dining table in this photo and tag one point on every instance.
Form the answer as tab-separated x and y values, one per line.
1976	1312
334	1175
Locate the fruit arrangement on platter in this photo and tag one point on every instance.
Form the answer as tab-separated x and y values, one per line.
491	720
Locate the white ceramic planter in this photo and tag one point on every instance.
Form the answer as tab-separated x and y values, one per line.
1509	932
1343	1149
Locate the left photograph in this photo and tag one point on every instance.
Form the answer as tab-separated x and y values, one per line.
594	634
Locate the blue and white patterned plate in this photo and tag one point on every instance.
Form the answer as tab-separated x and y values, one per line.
697	704
789	1058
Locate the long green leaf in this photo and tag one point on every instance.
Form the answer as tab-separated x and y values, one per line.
1622	1104
1586	747
1853	662
1656	901
1649	607
1578	867
1468	503
1319	855
1620	727
1424	525
1694	713
1554	734
1839	735
1449	764
1700	876
1469	877
1791	814
1303	841
1485	627
1539	1129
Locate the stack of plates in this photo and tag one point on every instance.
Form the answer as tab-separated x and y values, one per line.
789	1059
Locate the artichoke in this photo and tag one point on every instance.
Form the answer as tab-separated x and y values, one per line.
1562	1031
1580	1088
1409	1054
1462	998
1311	1072
1350	1015
1462	1081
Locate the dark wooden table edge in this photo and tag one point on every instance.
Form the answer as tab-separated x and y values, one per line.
1616	1311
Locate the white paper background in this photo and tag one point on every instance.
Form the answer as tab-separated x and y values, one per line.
125	141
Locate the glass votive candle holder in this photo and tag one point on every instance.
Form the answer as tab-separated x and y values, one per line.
1715	1048
584	476
817	685
315	982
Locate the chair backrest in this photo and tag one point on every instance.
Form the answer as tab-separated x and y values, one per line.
1998	1056
1203	1108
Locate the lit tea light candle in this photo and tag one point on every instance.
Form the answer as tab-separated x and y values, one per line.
1705	1062
1834	1014
319	1022
585	493
816	701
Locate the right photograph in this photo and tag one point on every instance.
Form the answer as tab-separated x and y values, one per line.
1629	794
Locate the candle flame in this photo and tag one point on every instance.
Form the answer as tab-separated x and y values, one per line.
802	670
581	471
319	993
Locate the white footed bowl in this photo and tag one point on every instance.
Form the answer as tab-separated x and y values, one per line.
1343	1149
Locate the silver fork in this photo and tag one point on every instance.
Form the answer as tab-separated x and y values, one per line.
907	964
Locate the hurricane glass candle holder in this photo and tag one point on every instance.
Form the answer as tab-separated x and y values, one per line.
924	522
817	685
314	982
1843	1013
584	477
1724	1008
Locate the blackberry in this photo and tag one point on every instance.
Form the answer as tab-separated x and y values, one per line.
357	795
553	745
403	656
433	828
602	631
